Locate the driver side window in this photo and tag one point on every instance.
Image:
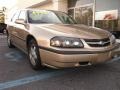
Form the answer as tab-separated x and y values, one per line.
22	15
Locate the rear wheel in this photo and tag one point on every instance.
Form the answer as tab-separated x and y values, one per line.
34	55
10	45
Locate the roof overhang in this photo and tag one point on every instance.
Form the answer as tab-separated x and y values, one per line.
39	4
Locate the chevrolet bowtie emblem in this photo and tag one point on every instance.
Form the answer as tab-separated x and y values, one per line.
101	43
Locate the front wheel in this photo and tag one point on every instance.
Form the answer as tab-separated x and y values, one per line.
34	55
10	45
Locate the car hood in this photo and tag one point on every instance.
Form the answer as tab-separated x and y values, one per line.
76	30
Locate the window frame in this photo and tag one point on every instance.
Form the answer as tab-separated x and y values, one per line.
26	20
12	18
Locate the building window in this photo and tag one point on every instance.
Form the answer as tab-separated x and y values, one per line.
108	20
110	25
84	15
71	12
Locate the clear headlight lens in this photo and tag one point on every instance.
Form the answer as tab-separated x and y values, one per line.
112	39
66	42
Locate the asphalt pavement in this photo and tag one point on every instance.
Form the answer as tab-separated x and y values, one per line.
16	74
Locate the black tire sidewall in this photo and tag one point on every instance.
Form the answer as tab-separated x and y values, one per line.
38	60
10	45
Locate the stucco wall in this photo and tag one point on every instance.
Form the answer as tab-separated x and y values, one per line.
26	3
60	5
48	6
63	5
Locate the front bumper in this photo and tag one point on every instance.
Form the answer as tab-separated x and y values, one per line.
64	59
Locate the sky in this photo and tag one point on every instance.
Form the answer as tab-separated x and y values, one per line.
7	3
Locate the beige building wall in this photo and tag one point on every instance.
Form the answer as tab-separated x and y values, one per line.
60	5
47	6
63	5
26	3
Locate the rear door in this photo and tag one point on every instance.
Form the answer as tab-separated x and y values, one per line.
11	27
21	29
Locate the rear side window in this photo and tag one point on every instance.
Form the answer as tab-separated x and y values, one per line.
15	16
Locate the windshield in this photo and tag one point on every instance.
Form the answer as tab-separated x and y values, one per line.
49	17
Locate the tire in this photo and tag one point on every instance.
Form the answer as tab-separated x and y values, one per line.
10	45
1	30
34	55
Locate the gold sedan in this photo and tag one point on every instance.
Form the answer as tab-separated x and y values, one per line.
54	39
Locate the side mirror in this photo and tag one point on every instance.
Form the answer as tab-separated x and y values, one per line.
20	21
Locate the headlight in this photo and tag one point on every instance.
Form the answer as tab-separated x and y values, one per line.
112	39
66	42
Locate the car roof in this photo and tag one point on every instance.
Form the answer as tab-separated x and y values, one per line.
39	9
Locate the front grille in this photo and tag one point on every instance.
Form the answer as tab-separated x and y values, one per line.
98	42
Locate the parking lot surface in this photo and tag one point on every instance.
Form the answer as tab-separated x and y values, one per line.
16	74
